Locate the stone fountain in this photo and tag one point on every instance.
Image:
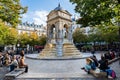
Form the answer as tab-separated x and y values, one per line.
59	35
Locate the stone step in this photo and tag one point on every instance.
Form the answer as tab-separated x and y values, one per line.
65	41
54	76
64	49
60	79
68	49
54	49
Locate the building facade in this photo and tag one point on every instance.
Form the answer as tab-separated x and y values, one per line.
29	28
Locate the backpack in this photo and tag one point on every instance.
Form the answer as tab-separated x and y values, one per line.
93	66
113	74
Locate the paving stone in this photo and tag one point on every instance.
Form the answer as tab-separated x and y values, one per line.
47	67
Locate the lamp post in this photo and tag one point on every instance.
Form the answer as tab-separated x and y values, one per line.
28	48
18	45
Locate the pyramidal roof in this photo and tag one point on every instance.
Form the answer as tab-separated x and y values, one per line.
58	8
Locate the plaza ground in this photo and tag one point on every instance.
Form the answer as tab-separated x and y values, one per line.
59	69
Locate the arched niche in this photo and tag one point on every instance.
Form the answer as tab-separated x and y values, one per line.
52	31
65	31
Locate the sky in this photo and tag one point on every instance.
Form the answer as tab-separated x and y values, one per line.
39	9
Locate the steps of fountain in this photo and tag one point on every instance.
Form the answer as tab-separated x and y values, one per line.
66	53
68	49
64	49
65	41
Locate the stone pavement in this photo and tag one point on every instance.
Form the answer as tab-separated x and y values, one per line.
67	76
3	71
59	70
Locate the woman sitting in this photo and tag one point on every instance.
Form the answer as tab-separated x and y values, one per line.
14	63
22	62
90	65
103	64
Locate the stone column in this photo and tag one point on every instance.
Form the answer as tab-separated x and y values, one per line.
51	35
69	34
48	34
59	41
70	31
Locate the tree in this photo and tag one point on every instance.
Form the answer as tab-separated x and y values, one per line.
10	11
95	12
11	37
3	32
107	32
23	39
33	35
95	35
43	39
104	33
33	38
79	36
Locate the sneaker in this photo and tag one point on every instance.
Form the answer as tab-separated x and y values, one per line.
88	72
83	68
109	77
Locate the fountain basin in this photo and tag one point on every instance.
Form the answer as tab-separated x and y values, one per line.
37	57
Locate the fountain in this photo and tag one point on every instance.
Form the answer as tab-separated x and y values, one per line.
59	37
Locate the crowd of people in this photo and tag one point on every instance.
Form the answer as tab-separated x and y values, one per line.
92	63
11	60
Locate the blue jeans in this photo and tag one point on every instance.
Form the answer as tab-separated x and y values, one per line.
12	67
87	67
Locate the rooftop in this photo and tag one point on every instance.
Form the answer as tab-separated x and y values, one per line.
58	8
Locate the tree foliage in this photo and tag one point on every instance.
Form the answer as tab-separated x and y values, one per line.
79	36
95	12
11	37
3	32
109	34
10	11
102	33
23	39
8	35
33	35
42	40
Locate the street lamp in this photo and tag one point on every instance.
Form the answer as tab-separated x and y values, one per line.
18	45
28	48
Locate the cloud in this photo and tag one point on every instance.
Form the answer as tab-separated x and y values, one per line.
24	16
37	17
40	17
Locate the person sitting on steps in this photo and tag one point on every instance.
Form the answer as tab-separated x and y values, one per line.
90	65
22	62
14	63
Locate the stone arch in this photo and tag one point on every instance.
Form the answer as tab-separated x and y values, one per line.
65	30
52	31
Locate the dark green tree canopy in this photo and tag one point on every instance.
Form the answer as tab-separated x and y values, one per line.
95	12
10	11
